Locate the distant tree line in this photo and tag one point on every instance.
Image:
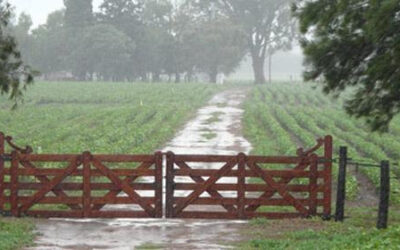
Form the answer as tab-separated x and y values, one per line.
130	40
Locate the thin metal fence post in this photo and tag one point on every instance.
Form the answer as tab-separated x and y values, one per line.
341	185
384	196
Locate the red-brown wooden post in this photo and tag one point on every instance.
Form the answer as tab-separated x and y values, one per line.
241	182
14	184
158	185
86	199
327	177
2	151
313	185
169	192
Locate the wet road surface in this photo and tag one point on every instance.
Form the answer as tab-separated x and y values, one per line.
216	129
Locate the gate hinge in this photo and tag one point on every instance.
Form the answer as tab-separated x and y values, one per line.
5	157
5	213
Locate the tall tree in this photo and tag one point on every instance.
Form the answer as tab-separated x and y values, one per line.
14	75
97	58
78	13
24	39
355	44
268	25
218	46
50	42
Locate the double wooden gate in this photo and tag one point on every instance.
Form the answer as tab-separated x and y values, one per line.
196	186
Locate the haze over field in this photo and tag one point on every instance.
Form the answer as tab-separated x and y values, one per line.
286	65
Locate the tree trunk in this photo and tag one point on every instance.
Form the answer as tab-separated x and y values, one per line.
270	68
156	77
213	74
177	77
258	68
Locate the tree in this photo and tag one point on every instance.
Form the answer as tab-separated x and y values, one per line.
14	75
50	47
218	46
268	25
355	44
104	51
23	37
78	13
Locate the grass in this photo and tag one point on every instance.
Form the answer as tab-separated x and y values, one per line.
214	118
102	117
15	233
59	117
279	118
357	232
209	135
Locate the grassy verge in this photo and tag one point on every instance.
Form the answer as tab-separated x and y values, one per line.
357	232
15	233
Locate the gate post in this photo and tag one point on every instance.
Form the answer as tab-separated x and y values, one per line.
327	176
14	184
159	185
313	185
384	196
87	158
341	188
169	192
241	159
2	151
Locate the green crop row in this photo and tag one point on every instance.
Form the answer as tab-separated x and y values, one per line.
297	114
102	117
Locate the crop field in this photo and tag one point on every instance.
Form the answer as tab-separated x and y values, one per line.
101	117
281	117
278	118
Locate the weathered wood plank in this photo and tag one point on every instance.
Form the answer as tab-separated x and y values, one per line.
86	196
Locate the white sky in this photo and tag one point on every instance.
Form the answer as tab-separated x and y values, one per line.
40	9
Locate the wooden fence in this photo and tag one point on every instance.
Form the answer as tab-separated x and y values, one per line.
197	186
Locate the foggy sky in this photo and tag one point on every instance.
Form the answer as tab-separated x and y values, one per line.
40	9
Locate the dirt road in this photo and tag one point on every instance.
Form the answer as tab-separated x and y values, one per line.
216	129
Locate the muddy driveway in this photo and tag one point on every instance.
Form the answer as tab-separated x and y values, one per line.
216	129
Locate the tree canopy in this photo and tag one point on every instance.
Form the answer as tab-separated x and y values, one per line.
128	40
355	44
14	75
268	26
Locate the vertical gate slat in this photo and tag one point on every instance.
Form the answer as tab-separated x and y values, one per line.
241	185
313	185
86	184
158	185
169	193
14	184
327	176
2	151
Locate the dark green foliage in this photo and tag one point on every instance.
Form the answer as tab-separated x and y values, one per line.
355	43
14	75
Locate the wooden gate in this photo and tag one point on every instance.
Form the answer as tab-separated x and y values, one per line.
240	188
197	186
81	186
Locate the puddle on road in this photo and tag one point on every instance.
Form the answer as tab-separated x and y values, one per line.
222	116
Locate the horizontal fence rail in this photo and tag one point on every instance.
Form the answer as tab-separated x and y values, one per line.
196	186
239	187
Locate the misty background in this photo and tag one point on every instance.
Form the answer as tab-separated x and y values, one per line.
286	64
